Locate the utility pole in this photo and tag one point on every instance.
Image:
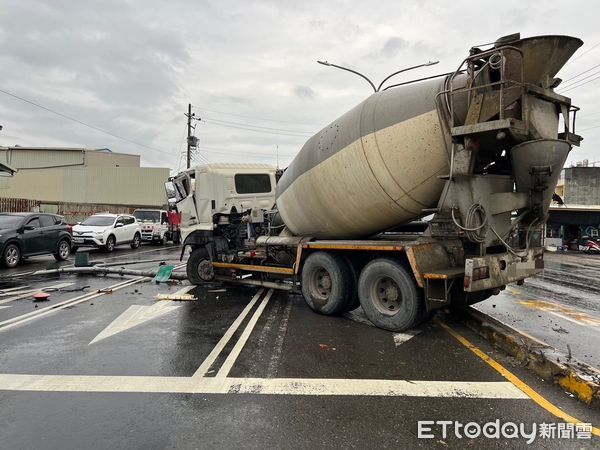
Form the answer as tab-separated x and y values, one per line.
189	135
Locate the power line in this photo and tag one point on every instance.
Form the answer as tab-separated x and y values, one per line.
573	83
310	133
244	153
581	73
579	85
253	118
94	127
584	53
253	129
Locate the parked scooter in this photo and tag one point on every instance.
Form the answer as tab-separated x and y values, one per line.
591	247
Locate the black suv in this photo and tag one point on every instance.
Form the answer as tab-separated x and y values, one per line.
30	234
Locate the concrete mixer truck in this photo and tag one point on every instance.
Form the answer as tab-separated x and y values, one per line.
478	150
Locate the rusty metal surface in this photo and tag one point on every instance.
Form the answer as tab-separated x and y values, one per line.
18	205
426	258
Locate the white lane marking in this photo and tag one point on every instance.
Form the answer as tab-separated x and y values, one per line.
133	316
15	321
210	359
14	290
278	347
358	316
4	307
29	293
239	345
269	386
401	338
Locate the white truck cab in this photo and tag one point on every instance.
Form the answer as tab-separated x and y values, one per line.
216	195
154	224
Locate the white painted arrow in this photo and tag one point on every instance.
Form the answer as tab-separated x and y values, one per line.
401	338
133	316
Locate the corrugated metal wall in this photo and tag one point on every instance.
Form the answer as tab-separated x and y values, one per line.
31	159
94	185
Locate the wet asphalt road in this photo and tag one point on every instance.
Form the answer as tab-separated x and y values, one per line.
560	307
125	370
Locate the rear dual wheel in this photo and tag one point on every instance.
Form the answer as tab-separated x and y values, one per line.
389	295
328	283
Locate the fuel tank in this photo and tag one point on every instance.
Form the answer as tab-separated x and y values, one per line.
374	167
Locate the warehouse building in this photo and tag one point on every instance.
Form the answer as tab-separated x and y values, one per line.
574	216
77	182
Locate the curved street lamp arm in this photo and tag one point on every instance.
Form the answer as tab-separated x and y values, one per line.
325	63
430	63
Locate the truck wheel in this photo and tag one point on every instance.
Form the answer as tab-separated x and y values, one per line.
63	250
176	238
199	267
327	283
163	240
389	296
11	256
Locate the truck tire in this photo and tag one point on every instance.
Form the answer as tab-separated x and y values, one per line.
199	267
327	283
389	296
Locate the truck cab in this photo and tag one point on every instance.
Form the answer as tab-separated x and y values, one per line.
213	199
154	224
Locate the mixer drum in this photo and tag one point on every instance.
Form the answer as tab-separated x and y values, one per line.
373	168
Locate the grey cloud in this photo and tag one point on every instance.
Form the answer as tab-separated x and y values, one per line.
393	45
304	92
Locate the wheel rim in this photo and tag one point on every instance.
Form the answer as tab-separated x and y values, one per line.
205	270
110	244
320	285
63	249
12	256
386	296
136	240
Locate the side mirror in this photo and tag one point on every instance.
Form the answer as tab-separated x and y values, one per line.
118	225
171	192
78	223
28	228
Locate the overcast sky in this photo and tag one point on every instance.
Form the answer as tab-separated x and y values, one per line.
249	68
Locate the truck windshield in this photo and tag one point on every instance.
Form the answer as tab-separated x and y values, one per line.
147	216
